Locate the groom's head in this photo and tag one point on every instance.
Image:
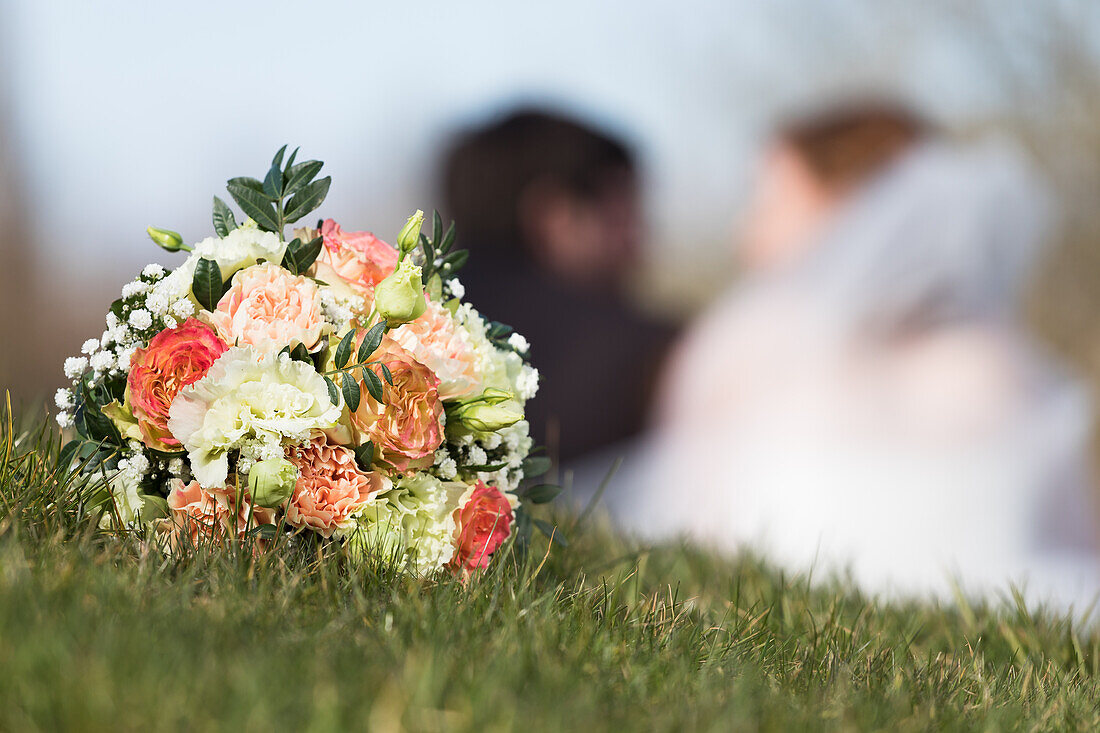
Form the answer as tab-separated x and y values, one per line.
550	188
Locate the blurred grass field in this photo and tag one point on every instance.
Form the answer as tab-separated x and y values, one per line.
97	633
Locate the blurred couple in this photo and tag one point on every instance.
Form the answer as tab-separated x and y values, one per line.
865	399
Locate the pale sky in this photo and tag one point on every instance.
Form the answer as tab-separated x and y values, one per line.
126	114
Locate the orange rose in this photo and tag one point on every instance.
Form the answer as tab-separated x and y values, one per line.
407	428
360	258
330	489
269	308
200	515
174	358
482	523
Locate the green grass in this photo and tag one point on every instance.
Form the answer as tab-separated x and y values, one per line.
98	633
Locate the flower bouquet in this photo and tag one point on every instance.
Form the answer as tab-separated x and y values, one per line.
328	387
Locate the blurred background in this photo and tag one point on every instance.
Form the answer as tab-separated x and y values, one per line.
115	116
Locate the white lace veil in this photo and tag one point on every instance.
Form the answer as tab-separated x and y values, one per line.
951	231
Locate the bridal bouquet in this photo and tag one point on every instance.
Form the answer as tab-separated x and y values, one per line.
329	386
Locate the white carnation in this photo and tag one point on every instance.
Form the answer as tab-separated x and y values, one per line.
64	419
153	270
90	346
414	521
248	399
102	361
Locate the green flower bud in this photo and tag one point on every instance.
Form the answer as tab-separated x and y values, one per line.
271	482
166	238
409	236
486	418
400	297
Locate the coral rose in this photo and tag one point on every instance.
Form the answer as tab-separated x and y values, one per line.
360	258
331	489
199	515
408	427
444	347
483	521
174	358
268	308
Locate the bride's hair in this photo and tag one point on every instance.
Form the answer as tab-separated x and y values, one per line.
845	145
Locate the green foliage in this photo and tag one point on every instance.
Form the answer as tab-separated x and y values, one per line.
372	339
105	633
440	259
224	222
300	256
285	195
207	284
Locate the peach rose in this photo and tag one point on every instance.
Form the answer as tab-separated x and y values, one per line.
200	515
269	308
444	347
174	358
482	523
331	489
408	427
360	258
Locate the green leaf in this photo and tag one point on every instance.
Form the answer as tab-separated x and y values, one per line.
301	174
264	532
456	260
386	373
248	182
371	341
290	160
536	466
333	392
207	283
551	532
255	204
224	222
364	456
350	388
66	456
542	493
437	228
374	385
277	161
488	467
273	181
301	353
343	351
434	287
306	200
448	239
308	254
153	507
290	256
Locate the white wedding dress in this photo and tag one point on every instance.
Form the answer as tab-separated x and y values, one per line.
876	411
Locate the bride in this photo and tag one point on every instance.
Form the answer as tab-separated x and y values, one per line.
866	402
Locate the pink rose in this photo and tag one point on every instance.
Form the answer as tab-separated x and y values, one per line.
331	489
444	347
174	358
269	308
360	258
482	524
407	428
201	515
